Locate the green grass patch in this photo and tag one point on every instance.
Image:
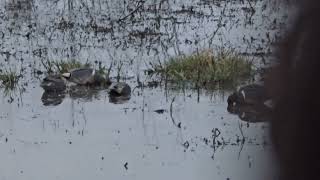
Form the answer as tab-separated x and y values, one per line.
63	66
9	79
66	66
206	68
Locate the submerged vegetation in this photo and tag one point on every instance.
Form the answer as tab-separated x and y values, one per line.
205	68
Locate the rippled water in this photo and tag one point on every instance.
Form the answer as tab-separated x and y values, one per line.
159	133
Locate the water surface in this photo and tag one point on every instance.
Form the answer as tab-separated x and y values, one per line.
160	133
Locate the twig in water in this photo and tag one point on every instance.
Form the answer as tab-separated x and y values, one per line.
240	128
241	147
109	70
171	111
215	133
243	138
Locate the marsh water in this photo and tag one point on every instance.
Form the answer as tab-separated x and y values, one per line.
160	132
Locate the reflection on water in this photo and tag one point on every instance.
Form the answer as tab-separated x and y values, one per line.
119	99
52	98
85	134
84	93
251	113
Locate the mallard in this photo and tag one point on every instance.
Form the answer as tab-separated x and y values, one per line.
250	102
119	89
252	94
86	76
53	83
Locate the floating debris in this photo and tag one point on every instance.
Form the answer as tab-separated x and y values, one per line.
186	144
160	111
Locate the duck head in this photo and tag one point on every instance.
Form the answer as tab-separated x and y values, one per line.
233	99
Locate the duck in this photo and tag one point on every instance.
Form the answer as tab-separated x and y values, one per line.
83	83
253	94
54	83
86	76
119	89
250	102
119	93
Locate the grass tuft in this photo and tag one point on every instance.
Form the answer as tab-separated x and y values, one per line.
9	79
66	66
205	68
63	66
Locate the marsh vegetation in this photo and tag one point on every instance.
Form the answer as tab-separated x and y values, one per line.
63	66
178	133
206	68
9	79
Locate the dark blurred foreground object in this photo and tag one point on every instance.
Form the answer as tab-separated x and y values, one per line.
294	87
250	103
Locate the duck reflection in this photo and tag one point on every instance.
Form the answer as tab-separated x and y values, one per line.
250	113
57	88
119	99
85	93
52	98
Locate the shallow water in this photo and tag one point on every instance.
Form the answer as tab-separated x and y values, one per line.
160	132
